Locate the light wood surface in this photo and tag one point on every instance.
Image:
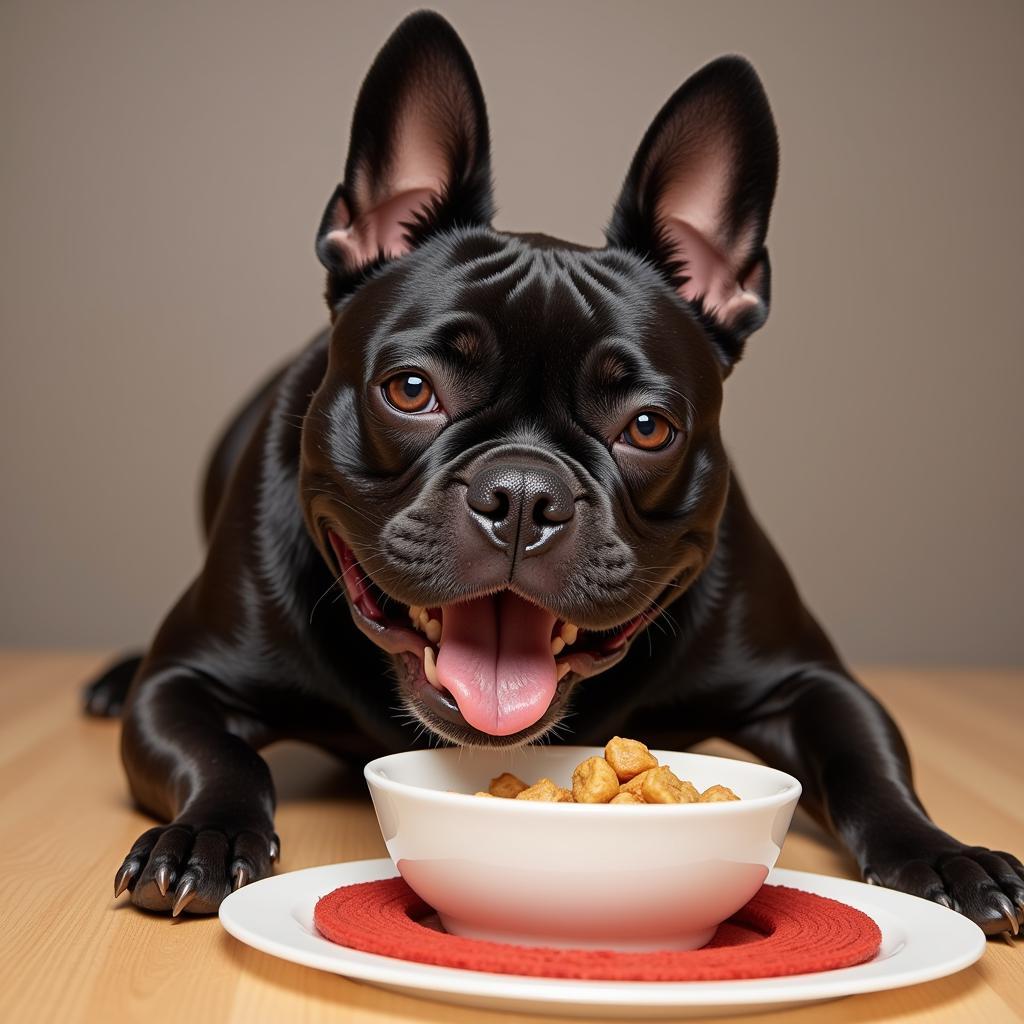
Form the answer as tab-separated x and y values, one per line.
70	953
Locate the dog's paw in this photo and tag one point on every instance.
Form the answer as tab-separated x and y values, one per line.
104	697
985	885
182	868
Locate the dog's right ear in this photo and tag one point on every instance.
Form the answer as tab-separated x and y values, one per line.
419	154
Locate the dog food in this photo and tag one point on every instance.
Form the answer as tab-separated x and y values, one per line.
627	774
545	790
628	758
506	785
594	782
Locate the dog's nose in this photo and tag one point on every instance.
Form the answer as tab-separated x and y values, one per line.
521	505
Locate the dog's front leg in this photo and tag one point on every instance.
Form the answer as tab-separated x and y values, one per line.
823	727
186	766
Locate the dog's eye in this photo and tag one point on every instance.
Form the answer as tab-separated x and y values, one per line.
649	431
410	392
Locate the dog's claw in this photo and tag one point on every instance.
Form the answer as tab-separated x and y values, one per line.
183	896
240	877
163	879
125	873
1009	912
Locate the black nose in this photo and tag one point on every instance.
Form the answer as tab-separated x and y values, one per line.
521	505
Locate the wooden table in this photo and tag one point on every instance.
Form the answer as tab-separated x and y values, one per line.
71	953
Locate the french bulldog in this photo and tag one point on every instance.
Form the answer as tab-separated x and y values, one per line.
504	455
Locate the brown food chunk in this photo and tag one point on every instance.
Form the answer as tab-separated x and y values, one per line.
717	794
662	786
635	784
594	782
628	758
506	785
628	774
625	797
543	789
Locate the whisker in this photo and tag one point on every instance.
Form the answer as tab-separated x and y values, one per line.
316	605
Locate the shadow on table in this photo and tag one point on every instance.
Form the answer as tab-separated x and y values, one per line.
303	772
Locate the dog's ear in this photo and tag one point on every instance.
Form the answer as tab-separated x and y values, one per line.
698	195
419	154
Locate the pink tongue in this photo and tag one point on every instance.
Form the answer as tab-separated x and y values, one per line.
495	659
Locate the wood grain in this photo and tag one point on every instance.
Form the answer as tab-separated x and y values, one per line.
70	953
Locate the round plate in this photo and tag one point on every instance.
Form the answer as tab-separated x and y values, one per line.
920	941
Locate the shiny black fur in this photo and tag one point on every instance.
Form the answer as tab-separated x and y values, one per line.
541	348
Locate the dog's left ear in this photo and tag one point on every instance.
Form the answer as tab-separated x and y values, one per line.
698	195
419	154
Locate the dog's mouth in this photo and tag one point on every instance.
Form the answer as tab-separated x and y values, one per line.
497	663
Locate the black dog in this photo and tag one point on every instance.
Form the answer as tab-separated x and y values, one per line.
505	453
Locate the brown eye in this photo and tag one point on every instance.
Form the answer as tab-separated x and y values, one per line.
649	431
410	392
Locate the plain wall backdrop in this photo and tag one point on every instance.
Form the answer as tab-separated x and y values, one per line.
165	166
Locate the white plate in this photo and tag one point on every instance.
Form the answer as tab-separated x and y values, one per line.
920	941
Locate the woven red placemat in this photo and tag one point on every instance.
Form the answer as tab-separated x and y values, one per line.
780	931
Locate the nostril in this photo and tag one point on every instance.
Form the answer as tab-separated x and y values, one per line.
501	505
491	501
553	505
545	512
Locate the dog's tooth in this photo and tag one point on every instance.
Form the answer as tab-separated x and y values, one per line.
433	630
424	617
562	669
430	667
570	632
415	611
557	645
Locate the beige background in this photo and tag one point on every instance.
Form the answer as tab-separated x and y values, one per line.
165	165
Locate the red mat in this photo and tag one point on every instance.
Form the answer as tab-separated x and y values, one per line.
780	931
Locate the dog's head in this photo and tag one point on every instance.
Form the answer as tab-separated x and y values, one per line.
513	461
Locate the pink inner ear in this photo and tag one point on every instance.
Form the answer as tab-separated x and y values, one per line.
415	176
712	278
691	212
379	230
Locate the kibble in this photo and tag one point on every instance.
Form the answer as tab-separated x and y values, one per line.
627	774
628	757
506	785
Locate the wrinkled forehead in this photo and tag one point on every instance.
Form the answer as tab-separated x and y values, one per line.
534	304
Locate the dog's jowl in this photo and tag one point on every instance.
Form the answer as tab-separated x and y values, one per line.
491	504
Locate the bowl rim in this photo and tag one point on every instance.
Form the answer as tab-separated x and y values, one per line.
790	788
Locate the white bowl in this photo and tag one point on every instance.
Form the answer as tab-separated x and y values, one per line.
586	875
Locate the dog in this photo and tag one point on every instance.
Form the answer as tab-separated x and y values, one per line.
505	454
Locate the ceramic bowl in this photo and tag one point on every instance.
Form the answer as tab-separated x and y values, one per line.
621	877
